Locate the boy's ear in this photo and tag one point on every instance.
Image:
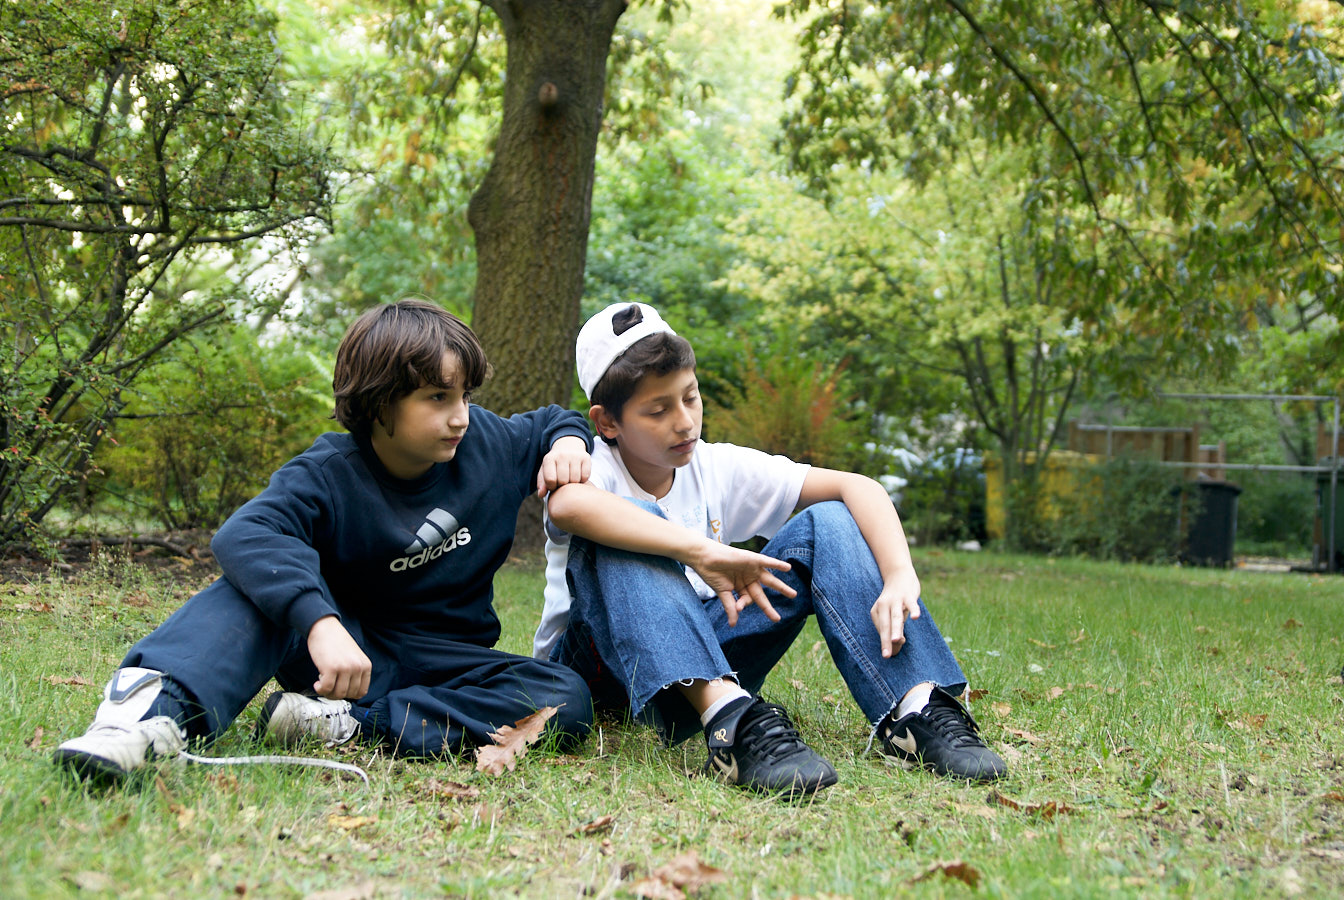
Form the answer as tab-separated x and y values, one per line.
604	422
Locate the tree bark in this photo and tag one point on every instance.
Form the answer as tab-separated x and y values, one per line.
530	215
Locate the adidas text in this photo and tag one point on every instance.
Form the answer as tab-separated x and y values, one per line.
456	539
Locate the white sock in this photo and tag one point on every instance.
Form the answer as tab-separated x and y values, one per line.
915	699
719	704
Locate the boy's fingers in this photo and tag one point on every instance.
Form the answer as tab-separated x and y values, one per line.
771	581
729	606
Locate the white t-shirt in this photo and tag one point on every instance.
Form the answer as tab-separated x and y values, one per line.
726	492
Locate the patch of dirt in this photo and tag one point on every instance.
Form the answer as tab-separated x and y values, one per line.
179	555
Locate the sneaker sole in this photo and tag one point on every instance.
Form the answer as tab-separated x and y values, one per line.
86	765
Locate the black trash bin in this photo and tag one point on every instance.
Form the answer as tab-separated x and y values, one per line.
1325	554
1213	531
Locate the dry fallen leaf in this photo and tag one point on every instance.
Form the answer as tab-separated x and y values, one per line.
35	742
185	815
511	742
1040	644
1055	693
364	890
1027	736
73	680
350	823
656	889
1002	709
977	694
1046	810
952	869
35	607
450	790
679	876
92	882
600	824
1292	623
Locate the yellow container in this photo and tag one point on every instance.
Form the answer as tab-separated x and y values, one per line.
1064	483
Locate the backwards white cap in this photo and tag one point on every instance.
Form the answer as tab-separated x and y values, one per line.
598	345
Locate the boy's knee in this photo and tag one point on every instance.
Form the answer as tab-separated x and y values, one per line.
573	720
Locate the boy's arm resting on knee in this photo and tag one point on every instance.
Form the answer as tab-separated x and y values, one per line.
343	669
604	518
880	526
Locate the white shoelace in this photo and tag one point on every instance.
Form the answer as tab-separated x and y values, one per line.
276	760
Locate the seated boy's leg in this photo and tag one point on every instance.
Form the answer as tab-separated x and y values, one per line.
638	616
835	574
190	677
451	696
837	579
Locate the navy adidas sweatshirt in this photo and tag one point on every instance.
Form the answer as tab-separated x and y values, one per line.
334	533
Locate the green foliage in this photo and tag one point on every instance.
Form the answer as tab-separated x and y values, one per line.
216	421
1123	509
145	149
791	405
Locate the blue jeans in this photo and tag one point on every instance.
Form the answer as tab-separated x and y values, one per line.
428	695
636	621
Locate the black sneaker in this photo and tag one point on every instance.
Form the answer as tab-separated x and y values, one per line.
753	744
942	737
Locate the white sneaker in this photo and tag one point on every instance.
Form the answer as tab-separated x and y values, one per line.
119	741
288	718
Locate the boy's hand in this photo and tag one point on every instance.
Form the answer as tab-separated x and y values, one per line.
567	462
897	601
740	578
342	668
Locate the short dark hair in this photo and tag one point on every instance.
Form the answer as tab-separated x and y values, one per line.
657	354
394	349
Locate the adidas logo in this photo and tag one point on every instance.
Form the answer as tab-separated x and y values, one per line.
439	535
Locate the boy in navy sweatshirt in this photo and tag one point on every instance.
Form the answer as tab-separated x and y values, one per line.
360	578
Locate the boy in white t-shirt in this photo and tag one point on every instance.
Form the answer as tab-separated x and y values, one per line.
630	604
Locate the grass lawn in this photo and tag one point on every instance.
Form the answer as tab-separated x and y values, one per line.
1170	732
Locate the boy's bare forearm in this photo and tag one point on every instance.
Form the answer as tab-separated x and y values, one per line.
590	512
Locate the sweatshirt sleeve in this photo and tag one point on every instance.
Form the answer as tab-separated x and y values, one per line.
268	549
533	433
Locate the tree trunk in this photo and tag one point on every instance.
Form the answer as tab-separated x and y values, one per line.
530	215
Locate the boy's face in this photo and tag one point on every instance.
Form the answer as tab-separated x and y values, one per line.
425	426
660	423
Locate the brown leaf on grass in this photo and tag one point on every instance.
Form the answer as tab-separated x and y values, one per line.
363	890
1335	796
35	607
977	694
1055	693
35	742
93	882
1023	735
1010	754
796	684
656	889
1047	810
1042	644
1001	708
596	826
685	873
511	742
185	815
73	680
450	790
1080	637
953	868
1292	623
1248	722
350	823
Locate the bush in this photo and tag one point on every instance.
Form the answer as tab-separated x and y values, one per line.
1124	509
943	500
206	435
791	405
